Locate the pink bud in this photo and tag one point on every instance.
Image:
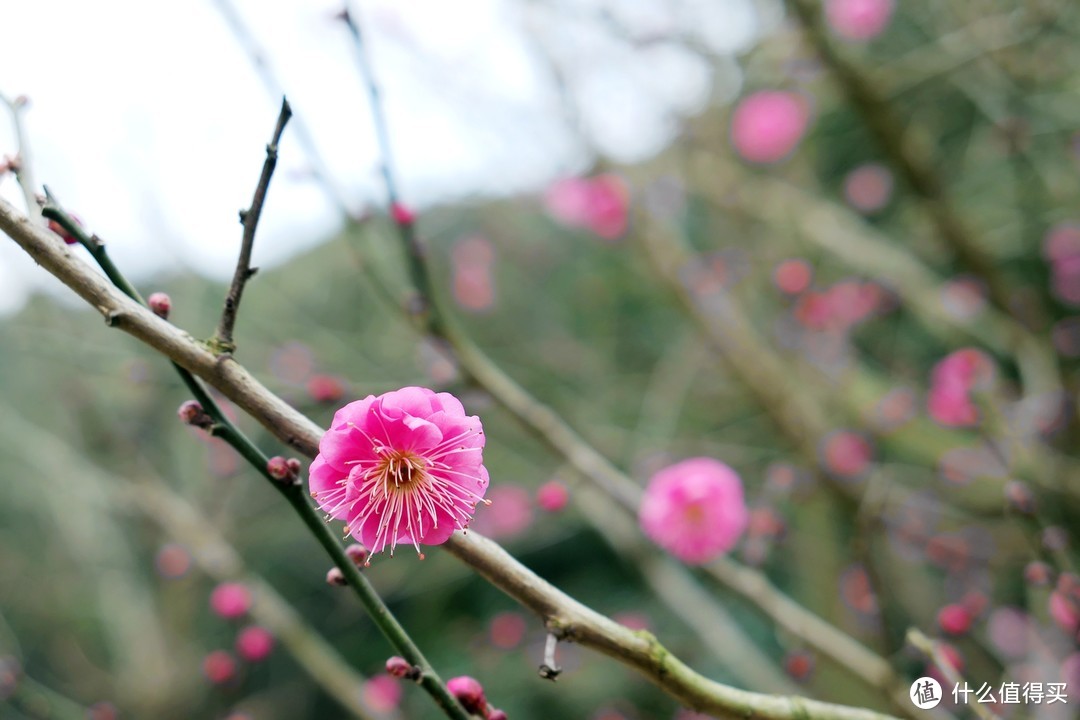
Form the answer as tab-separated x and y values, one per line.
160	304
1037	573
793	276
325	388
358	554
469	692
63	233
399	667
277	467
191	413
496	714
847	454
552	496
294	466
401	214
334	576
954	619
799	664
859	20
219	667
768	125
230	600
868	188
254	643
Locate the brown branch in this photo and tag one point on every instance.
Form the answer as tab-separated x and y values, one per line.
223	338
24	167
572	620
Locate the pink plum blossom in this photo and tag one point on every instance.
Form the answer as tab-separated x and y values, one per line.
512	515
859	20
403	467
254	643
599	204
230	600
469	692
951	383
694	509
847	454
382	692
793	276
767	125
219	667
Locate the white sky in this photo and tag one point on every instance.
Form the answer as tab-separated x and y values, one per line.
149	121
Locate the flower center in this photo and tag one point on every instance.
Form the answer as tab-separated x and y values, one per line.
399	469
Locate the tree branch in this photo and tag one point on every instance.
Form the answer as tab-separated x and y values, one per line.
575	621
24	169
223	338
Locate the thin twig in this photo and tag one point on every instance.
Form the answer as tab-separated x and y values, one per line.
223	339
24	168
575	621
912	164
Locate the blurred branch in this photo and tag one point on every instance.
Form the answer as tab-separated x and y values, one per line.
932	650
578	623
39	700
223	338
258	57
913	164
24	167
153	498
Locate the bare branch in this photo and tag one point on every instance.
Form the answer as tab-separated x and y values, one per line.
24	168
223	339
561	613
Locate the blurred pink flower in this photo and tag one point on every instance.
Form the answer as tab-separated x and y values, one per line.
382	693
846	453
954	619
403	467
507	630
1065	610
254	643
230	600
511	512
694	509
868	188
325	388
474	288
859	19
951	383
767	125
552	496
793	276
600	204
219	667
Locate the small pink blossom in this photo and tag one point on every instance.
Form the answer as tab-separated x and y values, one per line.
1065	610
694	509
230	600
767	125
382	693
954	619
868	188
511	514
402	214
859	20
793	276
403	467
599	204
325	388
172	561
219	667
951	383
847	454
552	496
254	643
507	630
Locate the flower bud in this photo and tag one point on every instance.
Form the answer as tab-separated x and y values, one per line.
334	576
160	304
277	467
63	233
399	667
401	214
496	714
358	554
1037	573
219	667
469	692
191	412
294	466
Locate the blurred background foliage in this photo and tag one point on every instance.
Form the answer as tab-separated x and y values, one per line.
93	610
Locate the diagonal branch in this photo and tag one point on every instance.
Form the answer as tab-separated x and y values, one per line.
223	338
562	613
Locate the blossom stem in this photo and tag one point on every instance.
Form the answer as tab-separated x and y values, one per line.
293	492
